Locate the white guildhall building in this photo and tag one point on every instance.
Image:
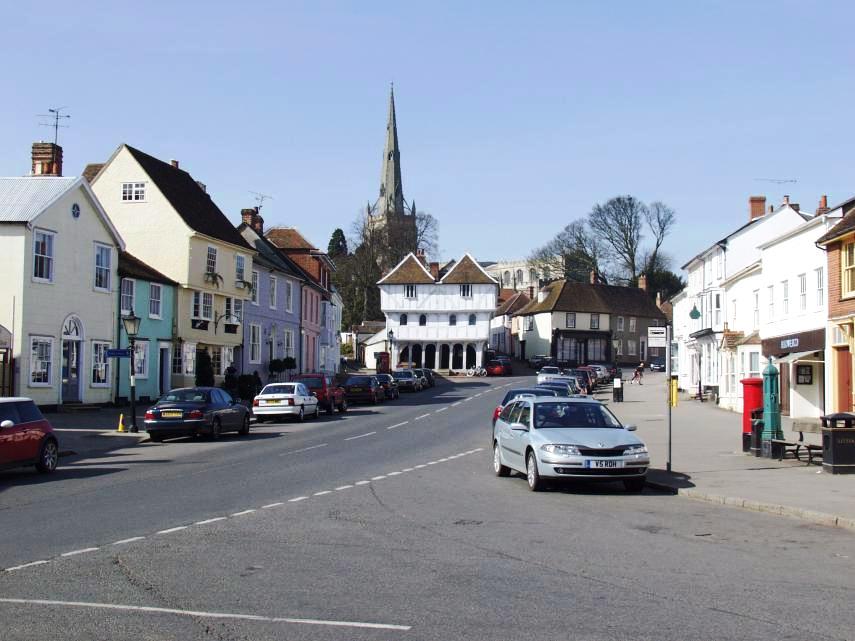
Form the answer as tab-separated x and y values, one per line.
438	318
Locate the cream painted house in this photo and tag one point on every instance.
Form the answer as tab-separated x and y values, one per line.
60	259
170	222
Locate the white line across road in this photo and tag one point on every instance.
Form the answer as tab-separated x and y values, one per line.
202	614
351	438
271	505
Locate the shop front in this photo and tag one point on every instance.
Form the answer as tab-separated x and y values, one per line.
800	358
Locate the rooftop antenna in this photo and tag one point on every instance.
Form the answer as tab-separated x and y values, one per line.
777	181
55	115
260	198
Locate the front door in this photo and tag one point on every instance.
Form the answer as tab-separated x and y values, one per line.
70	371
785	389
843	398
163	371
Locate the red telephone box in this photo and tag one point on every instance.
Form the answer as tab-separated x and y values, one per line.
383	363
752	399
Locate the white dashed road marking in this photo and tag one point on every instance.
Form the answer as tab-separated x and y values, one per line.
213	520
360	436
362	483
392	427
418	418
271	505
297	499
76	552
322	492
25	565
133	539
455	404
378	478
305	449
441	409
243	513
172	529
343	487
208	615
392	473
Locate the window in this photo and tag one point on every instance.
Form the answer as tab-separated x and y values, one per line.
452	320
289	292
630	347
754	364
595	321
189	358
411	291
532	276
254	293
756	308
154	300
103	254
529	323
42	255
211	260
820	287
402	320
129	286
203	305
240	267
41	360
472	319
272	292
255	343
289	343
802	292
733	311
217	360
570	320
618	344
718	309
771	292
620	323
238	310
133	192
100	364
631	324
785	297
422	320
141	359
519	277
507	278
176	361
847	262
466	291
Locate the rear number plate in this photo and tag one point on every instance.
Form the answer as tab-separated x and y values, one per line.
604	464
274	402
172	414
355	389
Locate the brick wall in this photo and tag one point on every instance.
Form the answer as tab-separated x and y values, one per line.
836	306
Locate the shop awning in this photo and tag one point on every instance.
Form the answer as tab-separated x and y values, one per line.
801	357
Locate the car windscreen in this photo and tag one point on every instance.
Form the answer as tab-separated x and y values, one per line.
549	370
552	414
279	389
185	396
358	380
311	383
534	391
402	374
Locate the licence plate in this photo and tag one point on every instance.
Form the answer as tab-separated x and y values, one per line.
273	402
603	464
355	389
172	414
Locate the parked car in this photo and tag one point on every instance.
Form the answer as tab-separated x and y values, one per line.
407	380
521	391
495	368
556	438
657	364
536	362
366	389
429	375
420	373
506	362
546	372
277	400
566	386
592	377
326	389
602	372
26	437
582	378
389	384
194	411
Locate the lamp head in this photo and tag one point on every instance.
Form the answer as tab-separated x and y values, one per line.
131	323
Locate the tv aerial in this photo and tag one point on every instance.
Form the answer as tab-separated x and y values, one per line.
57	116
260	198
777	181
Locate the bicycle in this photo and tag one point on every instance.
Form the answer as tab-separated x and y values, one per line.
476	371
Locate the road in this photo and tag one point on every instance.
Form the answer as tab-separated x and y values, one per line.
387	523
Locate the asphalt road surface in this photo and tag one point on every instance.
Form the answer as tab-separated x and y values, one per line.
388	523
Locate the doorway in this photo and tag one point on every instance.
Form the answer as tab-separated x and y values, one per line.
417	355
444	357
164	364
470	356
784	389
430	356
457	357
70	371
843	379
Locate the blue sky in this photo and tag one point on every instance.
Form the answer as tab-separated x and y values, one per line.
514	118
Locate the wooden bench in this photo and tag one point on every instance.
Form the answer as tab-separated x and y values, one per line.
799	427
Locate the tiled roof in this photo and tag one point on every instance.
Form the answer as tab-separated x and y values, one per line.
465	272
92	170
513	304
408	272
193	204
845	226
505	295
132	267
22	199
567	296
288	238
751	339
270	256
730	339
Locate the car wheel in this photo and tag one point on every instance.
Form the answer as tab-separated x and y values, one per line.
634	485
244	428
498	468
535	483
301	415
216	429
342	407
48	457
330	408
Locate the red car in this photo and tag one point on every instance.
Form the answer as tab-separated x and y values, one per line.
495	368
326	389
26	438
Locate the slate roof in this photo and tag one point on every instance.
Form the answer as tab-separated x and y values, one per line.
465	272
845	226
408	272
24	198
132	267
288	238
191	202
568	296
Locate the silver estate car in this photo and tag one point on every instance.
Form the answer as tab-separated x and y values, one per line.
562	437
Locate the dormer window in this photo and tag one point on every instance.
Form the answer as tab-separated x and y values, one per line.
411	291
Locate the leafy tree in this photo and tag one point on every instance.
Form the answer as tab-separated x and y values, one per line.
204	369
338	244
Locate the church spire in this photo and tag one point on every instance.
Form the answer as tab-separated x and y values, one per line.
391	187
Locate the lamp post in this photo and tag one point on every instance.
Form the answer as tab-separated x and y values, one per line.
390	335
131	322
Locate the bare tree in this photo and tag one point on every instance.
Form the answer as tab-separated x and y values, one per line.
427	233
618	223
661	219
572	254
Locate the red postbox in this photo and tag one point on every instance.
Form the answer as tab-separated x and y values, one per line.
752	399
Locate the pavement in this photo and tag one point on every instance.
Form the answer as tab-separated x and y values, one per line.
708	463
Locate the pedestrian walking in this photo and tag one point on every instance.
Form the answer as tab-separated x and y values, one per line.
638	374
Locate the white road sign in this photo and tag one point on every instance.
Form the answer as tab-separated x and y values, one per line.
656	337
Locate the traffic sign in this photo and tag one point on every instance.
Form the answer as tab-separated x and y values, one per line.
118	353
656	337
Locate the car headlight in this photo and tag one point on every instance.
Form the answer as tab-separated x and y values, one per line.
561	450
635	449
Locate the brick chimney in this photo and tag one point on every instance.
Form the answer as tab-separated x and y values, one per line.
593	277
174	163
252	218
786	200
434	270
47	159
823	206
642	282
756	207
420	254
531	292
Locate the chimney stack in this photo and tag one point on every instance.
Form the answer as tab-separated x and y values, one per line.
642	282
202	186
174	163
823	206
420	254
531	292
47	159
786	200
434	270
756	207
252	218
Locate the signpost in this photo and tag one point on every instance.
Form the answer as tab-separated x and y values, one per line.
661	337
118	353
657	337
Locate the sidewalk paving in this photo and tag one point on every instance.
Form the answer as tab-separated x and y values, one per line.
708	462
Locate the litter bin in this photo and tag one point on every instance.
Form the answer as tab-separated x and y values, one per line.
752	394
757	432
617	390
838	443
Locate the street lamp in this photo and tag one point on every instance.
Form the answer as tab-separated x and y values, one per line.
390	335
131	322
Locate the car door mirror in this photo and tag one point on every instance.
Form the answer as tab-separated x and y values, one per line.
519	427
6	424
630	428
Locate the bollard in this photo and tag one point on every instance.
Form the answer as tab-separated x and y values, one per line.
617	390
